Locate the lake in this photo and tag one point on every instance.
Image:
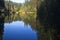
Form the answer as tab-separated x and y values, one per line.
20	27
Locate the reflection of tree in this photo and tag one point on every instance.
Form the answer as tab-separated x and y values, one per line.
45	34
1	29
2	14
1	26
49	17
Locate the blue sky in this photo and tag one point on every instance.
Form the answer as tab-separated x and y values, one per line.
18	1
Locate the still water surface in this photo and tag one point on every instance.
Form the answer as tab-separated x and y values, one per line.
17	30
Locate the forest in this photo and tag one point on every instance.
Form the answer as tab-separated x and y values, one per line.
42	15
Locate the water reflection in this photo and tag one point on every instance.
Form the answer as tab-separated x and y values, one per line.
27	29
18	31
1	27
16	28
1	30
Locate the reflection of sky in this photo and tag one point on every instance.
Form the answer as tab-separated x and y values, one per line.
18	1
17	31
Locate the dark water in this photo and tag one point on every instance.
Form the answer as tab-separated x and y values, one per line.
17	30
